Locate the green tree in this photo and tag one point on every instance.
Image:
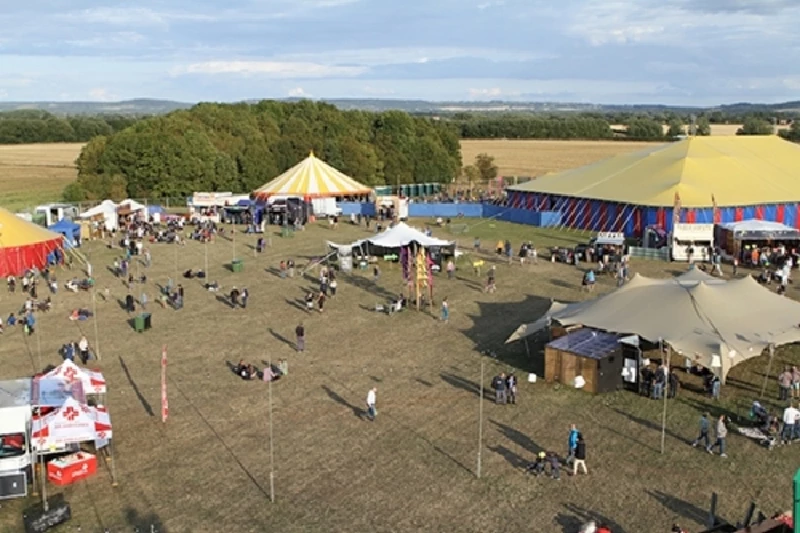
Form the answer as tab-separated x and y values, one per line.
702	127
486	167
675	128
644	128
472	174
755	126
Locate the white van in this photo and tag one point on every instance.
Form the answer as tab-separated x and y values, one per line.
698	237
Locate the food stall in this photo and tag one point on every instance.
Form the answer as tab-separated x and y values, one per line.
737	238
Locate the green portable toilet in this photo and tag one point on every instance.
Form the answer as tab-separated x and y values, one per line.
437	187
427	189
383	190
413	190
404	191
237	265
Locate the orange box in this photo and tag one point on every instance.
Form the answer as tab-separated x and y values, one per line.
71	468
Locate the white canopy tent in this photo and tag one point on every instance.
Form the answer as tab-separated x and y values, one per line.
402	234
68	372
71	423
699	317
107	210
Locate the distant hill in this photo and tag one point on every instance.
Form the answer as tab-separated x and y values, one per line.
148	106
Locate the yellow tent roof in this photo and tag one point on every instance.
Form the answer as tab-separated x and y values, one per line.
312	178
16	232
737	171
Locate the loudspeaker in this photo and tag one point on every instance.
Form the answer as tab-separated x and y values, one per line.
13	485
37	520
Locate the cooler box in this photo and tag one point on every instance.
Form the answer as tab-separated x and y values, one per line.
237	265
71	468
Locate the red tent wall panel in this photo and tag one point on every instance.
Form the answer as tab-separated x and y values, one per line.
691	216
637	221
586	213
779	214
530	201
603	223
738	214
760	212
661	218
572	211
15	261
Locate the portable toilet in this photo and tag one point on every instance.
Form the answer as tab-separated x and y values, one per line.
383	190
404	191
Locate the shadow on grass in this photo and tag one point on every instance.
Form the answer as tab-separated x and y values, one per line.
513	458
423	382
144	522
576	516
649	424
297	303
221	298
147	407
679	507
370	287
466	384
561	283
518	438
358	412
281	338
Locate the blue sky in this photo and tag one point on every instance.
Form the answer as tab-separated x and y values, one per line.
699	52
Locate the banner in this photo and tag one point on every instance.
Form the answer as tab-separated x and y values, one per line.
164	401
676	211
717	218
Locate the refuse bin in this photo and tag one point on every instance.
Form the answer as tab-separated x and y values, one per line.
142	321
237	265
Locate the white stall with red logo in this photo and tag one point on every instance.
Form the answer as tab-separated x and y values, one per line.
68	372
71	423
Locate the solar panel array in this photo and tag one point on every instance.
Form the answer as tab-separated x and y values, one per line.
587	342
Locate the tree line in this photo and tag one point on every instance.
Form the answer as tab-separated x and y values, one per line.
33	126
239	147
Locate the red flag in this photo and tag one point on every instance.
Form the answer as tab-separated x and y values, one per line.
717	214
164	401
676	210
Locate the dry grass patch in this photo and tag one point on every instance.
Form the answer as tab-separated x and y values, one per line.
207	468
32	174
537	157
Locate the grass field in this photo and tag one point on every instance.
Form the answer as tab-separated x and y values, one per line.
536	157
207	468
49	166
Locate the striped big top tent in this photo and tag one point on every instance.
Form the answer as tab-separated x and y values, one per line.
24	245
311	178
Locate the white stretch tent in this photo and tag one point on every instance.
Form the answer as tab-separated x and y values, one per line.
760	230
402	234
133	206
698	317
108	210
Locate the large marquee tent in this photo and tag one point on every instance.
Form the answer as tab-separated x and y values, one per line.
708	179
24	245
699	316
311	178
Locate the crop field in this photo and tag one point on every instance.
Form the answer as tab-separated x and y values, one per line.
538	157
32	174
207	469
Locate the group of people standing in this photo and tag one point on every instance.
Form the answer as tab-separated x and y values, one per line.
505	388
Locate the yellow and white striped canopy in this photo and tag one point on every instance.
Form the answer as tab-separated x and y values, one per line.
312	178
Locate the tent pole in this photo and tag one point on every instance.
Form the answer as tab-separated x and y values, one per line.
271	448
96	327
527	347
206	268
39	344
34	460
769	369
480	418
233	232
176	259
42	472
666	395
114	482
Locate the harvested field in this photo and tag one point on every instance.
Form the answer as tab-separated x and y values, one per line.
207	469
32	174
537	157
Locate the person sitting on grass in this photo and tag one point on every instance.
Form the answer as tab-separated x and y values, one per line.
245	371
588	280
309	300
212	287
555	465
537	467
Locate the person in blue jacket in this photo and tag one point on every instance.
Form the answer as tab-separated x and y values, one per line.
573	442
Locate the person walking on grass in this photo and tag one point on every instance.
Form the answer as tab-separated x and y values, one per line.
499	386
580	456
372	412
143	301
445	316
722	435
572	442
244	297
511	388
705	427
300	335
491	280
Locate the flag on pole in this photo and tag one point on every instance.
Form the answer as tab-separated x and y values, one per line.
676	211
164	401
717	214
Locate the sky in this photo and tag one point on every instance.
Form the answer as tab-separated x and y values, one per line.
678	52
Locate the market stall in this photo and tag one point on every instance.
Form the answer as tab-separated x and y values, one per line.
737	239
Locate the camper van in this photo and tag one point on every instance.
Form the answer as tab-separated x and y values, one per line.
52	213
698	237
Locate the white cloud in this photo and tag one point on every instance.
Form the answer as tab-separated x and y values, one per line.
134	16
298	92
396	56
494	92
377	91
275	69
102	95
491	3
3	94
122	38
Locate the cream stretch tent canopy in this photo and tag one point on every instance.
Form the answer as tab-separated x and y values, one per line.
312	178
401	234
736	171
697	316
24	245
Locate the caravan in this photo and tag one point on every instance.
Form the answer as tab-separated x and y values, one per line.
695	238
